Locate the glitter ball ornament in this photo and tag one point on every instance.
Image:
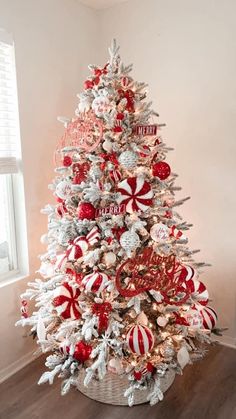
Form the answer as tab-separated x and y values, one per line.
159	232
82	351
96	282
140	339
167	350
86	211
135	193
198	291
129	241
128	159
161	170
66	300
63	189
67	161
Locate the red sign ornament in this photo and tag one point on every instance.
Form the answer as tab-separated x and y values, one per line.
112	210
145	130
149	271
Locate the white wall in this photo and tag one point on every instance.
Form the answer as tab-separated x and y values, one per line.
54	42
186	51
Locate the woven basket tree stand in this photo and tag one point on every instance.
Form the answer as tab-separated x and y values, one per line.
111	389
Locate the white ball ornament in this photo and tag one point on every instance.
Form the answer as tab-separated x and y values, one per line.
100	105
128	159
159	232
107	145
109	259
115	366
162	321
63	189
129	240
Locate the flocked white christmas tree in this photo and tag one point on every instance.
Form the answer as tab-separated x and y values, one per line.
120	292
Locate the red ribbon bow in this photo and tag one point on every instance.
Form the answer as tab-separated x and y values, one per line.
102	310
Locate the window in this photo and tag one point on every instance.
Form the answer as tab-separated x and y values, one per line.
12	256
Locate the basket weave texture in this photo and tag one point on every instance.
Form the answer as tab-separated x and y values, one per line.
111	389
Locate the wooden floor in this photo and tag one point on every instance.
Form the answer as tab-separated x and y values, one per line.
207	390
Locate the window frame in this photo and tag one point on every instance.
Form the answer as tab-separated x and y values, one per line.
16	199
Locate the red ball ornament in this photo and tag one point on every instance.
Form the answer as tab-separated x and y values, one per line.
82	351
137	375
88	84
117	129
161	170
86	211
150	367
67	161
120	116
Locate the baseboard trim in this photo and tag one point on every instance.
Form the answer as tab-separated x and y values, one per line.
227	341
16	366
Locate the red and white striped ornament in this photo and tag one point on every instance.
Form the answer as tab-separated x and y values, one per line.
198	291
208	315
187	273
125	82
66	298
177	234
115	175
140	339
80	245
136	193
96	282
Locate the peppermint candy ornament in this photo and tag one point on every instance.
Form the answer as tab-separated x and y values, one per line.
187	273
96	282
208	315
63	189
199	293
128	159
66	301
80	245
140	339
129	241
159	232
135	193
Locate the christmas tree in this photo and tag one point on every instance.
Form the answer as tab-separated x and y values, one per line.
119	293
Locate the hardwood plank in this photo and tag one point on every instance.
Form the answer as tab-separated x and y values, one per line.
207	390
